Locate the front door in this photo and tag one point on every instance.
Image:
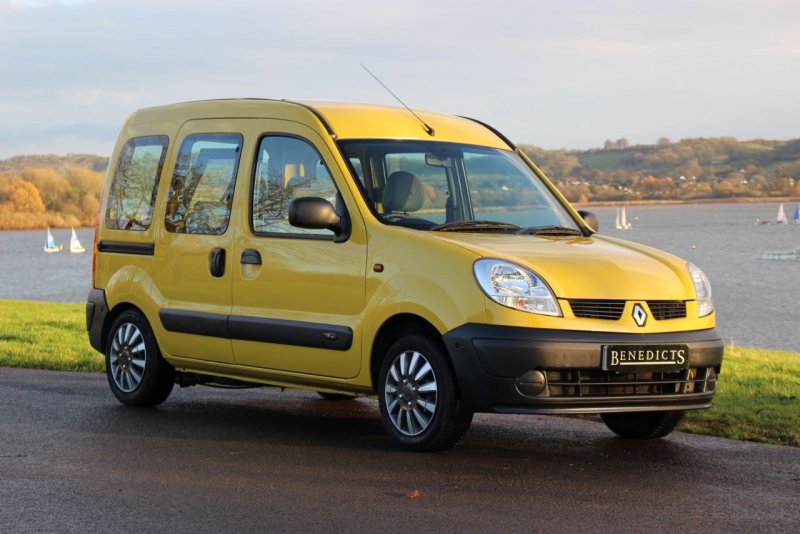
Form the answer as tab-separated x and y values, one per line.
193	253
297	295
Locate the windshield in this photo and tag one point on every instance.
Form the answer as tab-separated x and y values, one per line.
450	187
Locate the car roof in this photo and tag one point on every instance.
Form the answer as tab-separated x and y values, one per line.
343	120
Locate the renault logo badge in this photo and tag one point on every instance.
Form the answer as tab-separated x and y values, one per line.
639	315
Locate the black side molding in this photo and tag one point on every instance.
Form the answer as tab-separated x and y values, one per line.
297	333
119	247
201	324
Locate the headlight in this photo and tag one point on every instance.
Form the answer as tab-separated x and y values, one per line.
705	304
515	287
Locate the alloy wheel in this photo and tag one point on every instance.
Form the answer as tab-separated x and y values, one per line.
411	393
127	357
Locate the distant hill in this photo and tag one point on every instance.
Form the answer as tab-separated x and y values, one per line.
690	169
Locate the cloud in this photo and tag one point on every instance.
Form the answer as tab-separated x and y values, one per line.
557	73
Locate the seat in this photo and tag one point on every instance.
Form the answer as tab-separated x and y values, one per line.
403	193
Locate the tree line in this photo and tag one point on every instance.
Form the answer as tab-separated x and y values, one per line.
41	191
63	191
691	169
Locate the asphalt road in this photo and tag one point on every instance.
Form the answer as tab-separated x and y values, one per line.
73	460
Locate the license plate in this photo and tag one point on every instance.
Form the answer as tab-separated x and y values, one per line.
628	358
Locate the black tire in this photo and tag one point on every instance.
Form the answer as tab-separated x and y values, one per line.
418	396
136	372
642	425
335	396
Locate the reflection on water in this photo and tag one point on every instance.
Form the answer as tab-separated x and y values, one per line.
758	302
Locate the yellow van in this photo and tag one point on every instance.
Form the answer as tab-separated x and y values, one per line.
360	250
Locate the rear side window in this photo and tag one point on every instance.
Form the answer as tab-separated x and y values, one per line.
202	185
287	168
133	190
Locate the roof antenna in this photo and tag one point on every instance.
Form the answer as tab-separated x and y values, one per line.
430	131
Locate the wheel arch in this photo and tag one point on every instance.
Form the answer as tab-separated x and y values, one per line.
393	329
112	315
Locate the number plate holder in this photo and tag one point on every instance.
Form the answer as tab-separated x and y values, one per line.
632	358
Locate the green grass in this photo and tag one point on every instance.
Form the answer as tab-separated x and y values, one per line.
757	395
41	335
757	399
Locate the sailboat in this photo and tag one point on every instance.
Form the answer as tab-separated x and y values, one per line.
622	220
50	243
74	244
797	214
781	219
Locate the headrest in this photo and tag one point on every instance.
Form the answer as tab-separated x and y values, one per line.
403	192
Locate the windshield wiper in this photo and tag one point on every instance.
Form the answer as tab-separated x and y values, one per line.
480	226
549	230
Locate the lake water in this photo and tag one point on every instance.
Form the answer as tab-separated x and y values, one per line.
758	302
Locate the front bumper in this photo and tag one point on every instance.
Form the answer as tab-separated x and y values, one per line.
526	370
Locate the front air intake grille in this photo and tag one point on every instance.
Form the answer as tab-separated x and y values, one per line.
667	309
610	310
595	383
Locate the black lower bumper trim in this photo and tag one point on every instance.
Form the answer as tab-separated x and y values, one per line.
527	370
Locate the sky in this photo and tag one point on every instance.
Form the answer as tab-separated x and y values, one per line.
556	74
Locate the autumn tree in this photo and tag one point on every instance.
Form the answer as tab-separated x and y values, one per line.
25	198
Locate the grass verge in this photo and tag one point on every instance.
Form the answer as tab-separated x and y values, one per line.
756	399
45	335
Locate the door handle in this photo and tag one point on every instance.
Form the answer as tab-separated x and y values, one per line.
250	257
216	262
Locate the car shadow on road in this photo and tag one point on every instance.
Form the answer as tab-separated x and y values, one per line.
291	418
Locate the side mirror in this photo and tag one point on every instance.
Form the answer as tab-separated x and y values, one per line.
317	213
590	219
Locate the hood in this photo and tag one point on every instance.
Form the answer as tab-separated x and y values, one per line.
595	267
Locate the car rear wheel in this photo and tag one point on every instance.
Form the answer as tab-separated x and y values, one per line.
136	372
639	425
418	397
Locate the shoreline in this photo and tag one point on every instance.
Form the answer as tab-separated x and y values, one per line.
748	200
597	203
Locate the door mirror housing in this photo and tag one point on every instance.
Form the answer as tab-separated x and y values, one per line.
316	213
590	219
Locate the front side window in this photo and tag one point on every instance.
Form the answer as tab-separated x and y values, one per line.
287	168
133	190
201	191
446	186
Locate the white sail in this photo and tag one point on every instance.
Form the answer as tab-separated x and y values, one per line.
781	216
618	222
50	243
74	244
623	221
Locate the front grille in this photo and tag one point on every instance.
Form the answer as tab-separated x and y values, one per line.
597	383
667	309
597	309
611	310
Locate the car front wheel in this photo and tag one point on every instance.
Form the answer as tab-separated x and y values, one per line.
418	397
